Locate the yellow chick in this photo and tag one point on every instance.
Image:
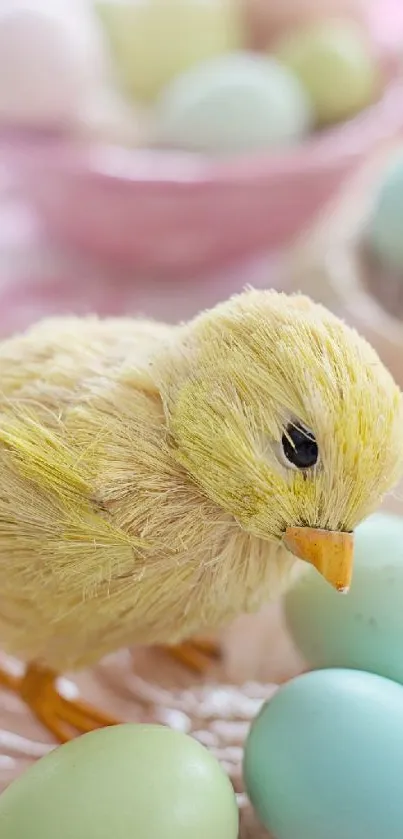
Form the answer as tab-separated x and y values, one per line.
157	481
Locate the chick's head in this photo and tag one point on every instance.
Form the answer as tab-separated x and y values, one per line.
283	415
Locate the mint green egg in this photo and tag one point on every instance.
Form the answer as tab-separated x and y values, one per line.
237	103
324	758
386	223
125	782
364	628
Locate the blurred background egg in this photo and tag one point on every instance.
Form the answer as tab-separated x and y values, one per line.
385	229
266	21
334	61
124	782
50	62
152	41
363	629
324	758
236	103
108	118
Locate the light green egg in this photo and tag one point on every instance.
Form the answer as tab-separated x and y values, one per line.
324	758
385	227
335	63
364	628
126	782
231	105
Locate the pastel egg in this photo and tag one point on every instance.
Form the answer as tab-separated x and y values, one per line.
108	118
49	62
384	233
335	63
324	758
267	21
124	782
364	628
152	41
234	104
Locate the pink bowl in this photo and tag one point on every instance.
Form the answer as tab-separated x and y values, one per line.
169	214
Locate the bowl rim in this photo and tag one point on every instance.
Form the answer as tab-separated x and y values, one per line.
326	151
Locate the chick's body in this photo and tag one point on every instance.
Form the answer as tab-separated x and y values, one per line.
104	539
144	491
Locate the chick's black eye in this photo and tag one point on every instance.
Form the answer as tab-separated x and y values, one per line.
300	447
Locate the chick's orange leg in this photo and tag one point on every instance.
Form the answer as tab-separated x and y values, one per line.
64	718
197	655
8	681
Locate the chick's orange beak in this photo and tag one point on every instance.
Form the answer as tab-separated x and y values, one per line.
329	551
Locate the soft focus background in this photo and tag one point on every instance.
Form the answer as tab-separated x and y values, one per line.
92	222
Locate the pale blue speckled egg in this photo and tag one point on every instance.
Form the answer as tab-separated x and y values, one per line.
385	230
324	758
233	104
364	628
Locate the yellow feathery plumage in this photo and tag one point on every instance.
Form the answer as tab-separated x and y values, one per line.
143	489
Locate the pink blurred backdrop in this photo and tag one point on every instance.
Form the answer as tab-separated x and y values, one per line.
183	217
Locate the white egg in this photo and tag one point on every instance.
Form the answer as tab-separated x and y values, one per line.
50	60
108	118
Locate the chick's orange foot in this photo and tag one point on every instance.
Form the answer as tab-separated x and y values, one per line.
64	718
197	655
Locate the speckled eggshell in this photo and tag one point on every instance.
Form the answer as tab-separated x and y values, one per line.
335	63
152	41
385	229
324	758
124	782
267	21
234	104
364	628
